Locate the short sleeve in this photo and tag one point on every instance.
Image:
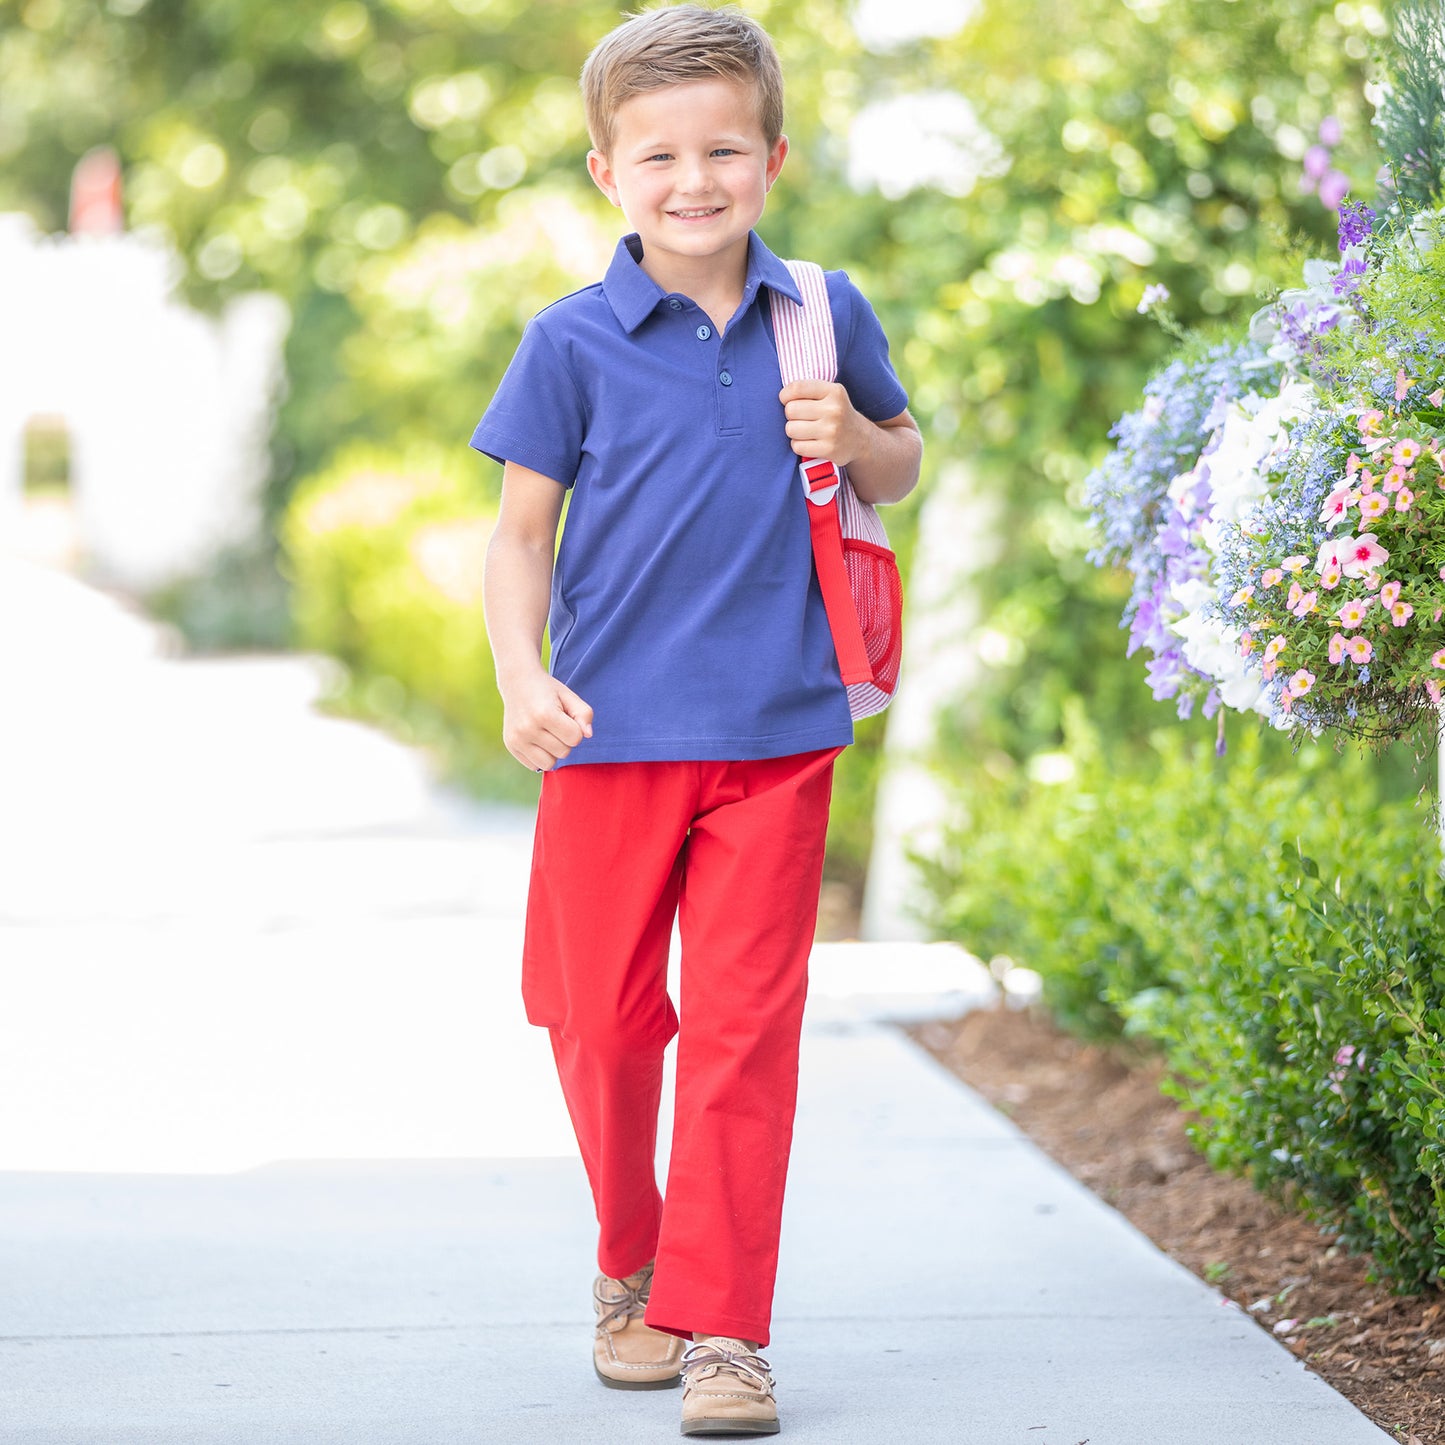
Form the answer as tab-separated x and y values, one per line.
537	417
863	364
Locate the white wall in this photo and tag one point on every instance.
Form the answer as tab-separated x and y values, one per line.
957	540
169	411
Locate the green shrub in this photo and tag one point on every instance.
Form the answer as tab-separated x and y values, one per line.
1181	898
385	554
1316	1060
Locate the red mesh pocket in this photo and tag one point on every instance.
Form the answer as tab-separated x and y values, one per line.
878	596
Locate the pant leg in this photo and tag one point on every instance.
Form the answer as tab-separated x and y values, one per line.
606	872
748	911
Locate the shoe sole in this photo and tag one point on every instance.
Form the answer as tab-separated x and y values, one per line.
670	1384
730	1427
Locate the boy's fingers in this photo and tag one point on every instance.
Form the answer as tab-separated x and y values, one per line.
580	712
803	411
804	391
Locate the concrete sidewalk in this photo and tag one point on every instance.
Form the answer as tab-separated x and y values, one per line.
283	1164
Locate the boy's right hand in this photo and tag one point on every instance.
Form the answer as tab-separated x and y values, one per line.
542	721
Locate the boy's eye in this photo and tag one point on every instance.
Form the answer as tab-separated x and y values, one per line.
660	156
725	151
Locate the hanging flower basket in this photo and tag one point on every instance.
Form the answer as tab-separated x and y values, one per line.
1280	499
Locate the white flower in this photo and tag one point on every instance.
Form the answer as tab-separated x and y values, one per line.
1253	435
1193	594
1154	295
1181	488
1212	646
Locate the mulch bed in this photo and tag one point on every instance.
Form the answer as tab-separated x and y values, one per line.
1099	1112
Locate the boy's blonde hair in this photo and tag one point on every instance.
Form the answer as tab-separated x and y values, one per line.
673	46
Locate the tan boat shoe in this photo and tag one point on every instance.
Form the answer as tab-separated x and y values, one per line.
627	1354
727	1389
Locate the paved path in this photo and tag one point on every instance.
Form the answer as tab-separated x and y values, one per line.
282	1164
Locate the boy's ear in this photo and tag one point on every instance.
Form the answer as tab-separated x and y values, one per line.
600	169
776	157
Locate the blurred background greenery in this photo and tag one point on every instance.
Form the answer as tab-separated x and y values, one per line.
408	175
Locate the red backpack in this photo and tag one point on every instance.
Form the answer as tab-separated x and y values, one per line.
857	571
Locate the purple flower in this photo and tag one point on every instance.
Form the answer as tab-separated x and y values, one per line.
1164	675
1329	131
1349	275
1317	162
1356	220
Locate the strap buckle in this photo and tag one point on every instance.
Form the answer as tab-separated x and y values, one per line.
820	481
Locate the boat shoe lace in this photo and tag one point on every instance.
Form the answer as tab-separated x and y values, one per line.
751	1367
629	1304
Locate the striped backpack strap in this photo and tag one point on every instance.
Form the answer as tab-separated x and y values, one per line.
808	351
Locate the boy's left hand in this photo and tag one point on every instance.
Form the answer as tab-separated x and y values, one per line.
822	422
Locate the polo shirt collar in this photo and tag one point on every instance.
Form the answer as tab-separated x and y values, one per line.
634	295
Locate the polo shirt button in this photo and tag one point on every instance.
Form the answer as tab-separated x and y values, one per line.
675	304
726	378
703	332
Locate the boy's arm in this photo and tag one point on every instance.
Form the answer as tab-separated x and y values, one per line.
882	457
542	720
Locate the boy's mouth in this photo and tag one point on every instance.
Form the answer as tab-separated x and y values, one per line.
697	213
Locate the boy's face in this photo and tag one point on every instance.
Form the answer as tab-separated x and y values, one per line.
691	169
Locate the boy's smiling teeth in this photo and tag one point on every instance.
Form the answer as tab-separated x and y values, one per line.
699	211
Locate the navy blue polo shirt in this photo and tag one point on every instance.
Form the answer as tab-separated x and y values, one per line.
684	605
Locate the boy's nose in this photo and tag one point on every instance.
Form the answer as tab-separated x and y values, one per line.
694	180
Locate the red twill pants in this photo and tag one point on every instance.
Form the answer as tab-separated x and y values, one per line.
734	851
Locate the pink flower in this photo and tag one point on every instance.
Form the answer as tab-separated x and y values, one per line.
1337	504
1394	479
1372	582
1246	644
1352	466
1329	555
1362	554
1352	614
1401	613
1405	452
1242	596
1269	668
1370	422
1438	659
1330	577
1433	691
1333	189
1373	505
1442	574
1366	480
1359	649
1296	563
1436	397
1305	605
1273	648
1271	576
1403	384
1337	648
1405	500
1300	683
1344	1056
1390	594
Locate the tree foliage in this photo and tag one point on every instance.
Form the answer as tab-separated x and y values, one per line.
409	175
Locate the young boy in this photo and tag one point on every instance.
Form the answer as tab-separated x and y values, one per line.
693	709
